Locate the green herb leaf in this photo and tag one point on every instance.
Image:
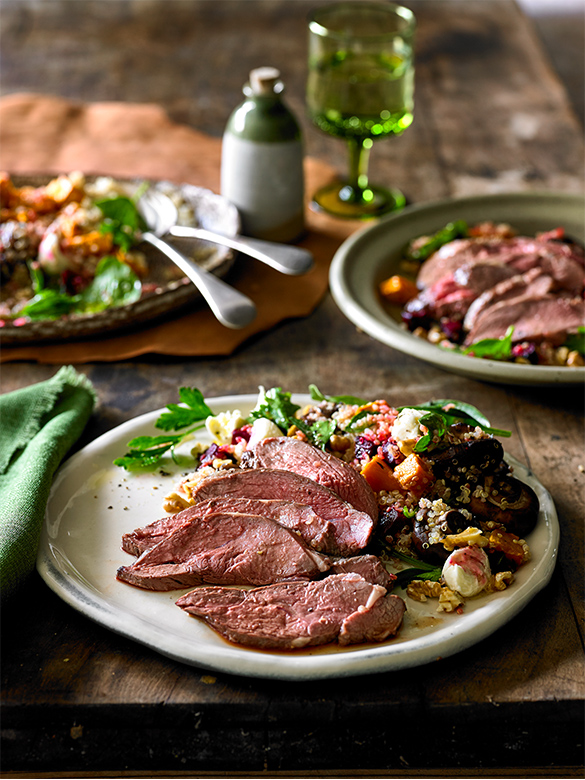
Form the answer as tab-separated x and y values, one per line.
179	417
148	450
122	220
114	284
452	412
436	425
576	341
49	304
419	570
351	400
353	426
37	277
496	349
407	575
450	232
277	406
319	432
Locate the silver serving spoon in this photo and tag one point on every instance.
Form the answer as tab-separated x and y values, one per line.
232	308
291	260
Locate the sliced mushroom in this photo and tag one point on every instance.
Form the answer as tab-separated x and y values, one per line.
508	502
461	461
451	522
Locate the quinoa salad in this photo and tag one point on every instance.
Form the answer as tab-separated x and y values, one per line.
452	519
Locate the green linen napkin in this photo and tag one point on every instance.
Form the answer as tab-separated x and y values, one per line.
38	426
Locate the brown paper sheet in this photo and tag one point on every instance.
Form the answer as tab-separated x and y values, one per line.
46	134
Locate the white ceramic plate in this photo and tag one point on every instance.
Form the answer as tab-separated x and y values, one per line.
172	290
93	503
374	253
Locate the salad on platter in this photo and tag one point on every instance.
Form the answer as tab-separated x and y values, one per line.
71	247
301	525
487	292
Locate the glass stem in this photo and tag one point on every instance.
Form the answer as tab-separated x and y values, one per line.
359	158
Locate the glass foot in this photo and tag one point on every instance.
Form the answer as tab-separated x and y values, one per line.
342	200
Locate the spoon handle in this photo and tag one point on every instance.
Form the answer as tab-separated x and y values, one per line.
232	308
287	259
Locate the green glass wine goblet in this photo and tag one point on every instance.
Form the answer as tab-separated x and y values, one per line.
360	87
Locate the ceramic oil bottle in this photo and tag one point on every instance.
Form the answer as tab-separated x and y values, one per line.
262	161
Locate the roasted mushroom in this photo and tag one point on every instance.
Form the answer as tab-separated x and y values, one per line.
507	502
470	460
451	522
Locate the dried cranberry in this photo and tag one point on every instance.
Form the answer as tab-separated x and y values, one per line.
242	434
391	522
451	329
390	453
526	350
364	448
416	317
211	453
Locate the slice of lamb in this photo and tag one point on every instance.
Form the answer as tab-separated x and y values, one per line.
353	529
314	530
370	567
532	282
533	318
290	454
454	293
295	615
556	258
225	549
454	255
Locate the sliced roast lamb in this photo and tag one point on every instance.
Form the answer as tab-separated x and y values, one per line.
225	549
533	283
290	454
454	293
533	318
342	607
314	530
370	567
561	260
353	529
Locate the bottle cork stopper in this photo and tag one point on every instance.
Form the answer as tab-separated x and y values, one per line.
264	80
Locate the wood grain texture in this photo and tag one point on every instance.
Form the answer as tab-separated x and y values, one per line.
490	116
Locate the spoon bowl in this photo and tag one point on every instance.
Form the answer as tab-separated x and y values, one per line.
231	307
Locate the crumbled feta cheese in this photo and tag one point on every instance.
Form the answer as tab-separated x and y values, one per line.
222	425
406	429
262	428
467	571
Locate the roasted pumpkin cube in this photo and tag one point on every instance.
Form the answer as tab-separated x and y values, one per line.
380	476
398	290
514	548
414	475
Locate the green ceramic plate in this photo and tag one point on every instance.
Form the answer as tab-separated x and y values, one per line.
374	253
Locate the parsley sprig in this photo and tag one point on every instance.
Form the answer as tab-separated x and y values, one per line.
146	451
276	405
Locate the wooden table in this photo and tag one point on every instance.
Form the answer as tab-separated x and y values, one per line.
491	116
